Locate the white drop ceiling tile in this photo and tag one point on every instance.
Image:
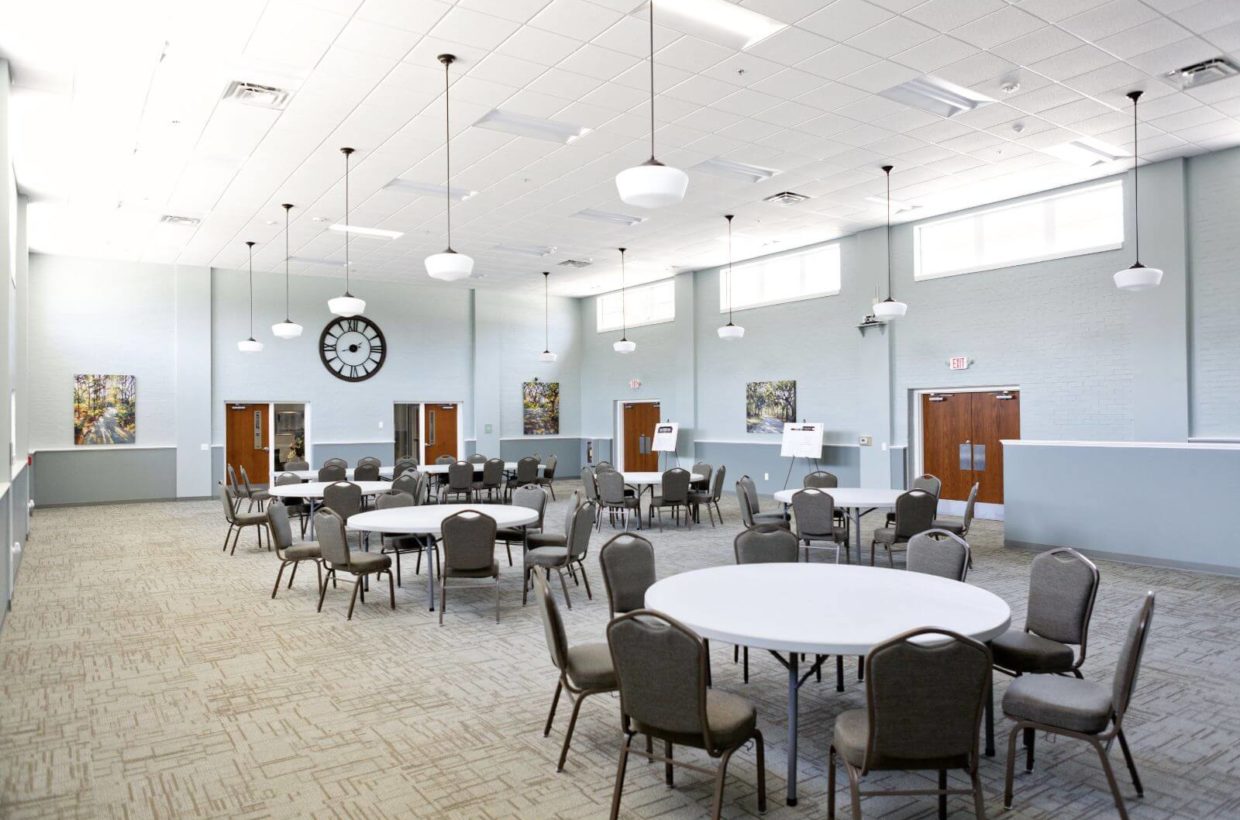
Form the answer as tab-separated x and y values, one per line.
827	125
936	53
892	36
744	69
896	144
898	6
616	97
907	120
411	15
1042	99
1167	105
567	84
1040	44
1157	33
481	92
1174	123
972	143
837	61
948	15
870	109
1110	18
1072	63
701	90
538	46
998	27
1225	37
692	54
355	65
976	70
506	70
1074	112
941	131
750	130
1211	93
516	10
664	77
786	11
845	18
1101	80
789	84
788	114
861	134
790	46
1230	108
880	77
745	102
575	18
832	95
376	39
482	31
632	36
1222	128
294	35
1102	123
526	102
1207	14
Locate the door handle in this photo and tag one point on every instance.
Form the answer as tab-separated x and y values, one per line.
966	456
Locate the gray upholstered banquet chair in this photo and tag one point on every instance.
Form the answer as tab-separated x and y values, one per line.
938	552
477	458
585	669
527	473
615	500
407	482
532	497
400	543
297	465
336	555
366	470
1063	585
290	554
235	491
627	563
751	512
547	478
571	556
445	459
296	508
763	544
237	521
1082	709
259	497
403	466
336	461
332	472
820	479
813	512
460	482
914	514
492	480
468	553
589	488
543	538
961	527
704	470
709	498
923	708
343	498
661	670
929	483
673	495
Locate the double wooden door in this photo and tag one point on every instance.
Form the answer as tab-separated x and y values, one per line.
640	418
961	435
440	431
245	445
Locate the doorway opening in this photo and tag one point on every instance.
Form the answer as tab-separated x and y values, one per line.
407	429
425	431
959	434
635	423
289	435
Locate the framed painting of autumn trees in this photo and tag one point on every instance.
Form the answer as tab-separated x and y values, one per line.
104	409
540	408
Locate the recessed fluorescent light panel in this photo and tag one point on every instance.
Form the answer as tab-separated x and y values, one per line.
936	96
1087	151
735	170
528	250
719	21
609	217
526	126
184	221
376	233
430	189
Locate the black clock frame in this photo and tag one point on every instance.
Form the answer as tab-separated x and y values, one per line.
341	322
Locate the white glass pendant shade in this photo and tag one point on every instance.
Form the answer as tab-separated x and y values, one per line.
890	309
1138	277
449	266
548	356
652	185
286	330
730	331
347	305
250	345
624	346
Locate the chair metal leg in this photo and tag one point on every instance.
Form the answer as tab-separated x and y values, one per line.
586	580
760	749
989	706
831	784
568	736
1110	773
227	536
854	788
497	599
1132	766
318	569
392	588
293	574
283	564
624	760
839	673
979	799
1030	736
942	794
564	586
668	770
745	651
720	776
357	585
1010	768
555	701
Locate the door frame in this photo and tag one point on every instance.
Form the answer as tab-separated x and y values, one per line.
421	403
917	443
617	443
271	432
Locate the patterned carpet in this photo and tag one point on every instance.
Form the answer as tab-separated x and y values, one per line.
144	673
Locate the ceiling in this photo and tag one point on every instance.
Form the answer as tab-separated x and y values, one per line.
118	118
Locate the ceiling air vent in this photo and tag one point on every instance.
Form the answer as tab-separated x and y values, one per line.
576	263
173	219
263	96
1203	73
786	198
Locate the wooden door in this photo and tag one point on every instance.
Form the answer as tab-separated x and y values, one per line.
440	431
245	432
640	419
996	416
961	435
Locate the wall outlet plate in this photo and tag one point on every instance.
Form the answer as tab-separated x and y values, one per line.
380	425
486	428
766	476
866	441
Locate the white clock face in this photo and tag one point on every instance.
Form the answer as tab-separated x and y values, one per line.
353	348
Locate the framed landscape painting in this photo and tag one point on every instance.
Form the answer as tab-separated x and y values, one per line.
770	405
540	403
104	409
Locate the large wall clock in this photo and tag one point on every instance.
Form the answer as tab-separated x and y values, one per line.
352	348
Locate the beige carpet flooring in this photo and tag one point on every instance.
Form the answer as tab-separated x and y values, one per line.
144	673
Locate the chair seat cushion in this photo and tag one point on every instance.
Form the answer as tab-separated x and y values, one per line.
837	534
367	562
660	501
245	519
852	733
771	518
481	572
956	527
887	535
1054	700
589	666
1022	651
301	552
731	719
546	557
510	534
547	539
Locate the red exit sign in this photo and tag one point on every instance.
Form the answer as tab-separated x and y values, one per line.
958	363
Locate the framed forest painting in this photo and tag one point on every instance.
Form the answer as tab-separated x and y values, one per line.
770	405
540	408
104	409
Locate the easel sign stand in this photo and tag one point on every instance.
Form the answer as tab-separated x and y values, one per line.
802	440
665	435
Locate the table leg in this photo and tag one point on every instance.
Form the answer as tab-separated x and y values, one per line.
856	525
794	686
312	508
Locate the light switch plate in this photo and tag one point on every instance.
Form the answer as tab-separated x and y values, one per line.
866	441
486	428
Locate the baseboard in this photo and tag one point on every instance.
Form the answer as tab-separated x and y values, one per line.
1127	558
38	506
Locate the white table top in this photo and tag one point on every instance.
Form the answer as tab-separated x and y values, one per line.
313	475
635	477
314	489
851	497
442	469
826	609
427	519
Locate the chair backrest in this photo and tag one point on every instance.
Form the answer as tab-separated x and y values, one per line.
627	562
661	670
675	485
924	699
939	552
581	528
446	460
742	498
337	461
1130	657
333	543
369	460
366	472
1062	587
600	465
610	488
477	458
230	514
704	470
232	479
929	483
278	526
403	466
553	624
914	512
751	492
468	540
343	498
766	544
460	475
588	484
332	472
493	472
549	468
716	484
527	470
821	479
814	512
394	498
245	481
533	497
407	482
968	508
297	465
287	478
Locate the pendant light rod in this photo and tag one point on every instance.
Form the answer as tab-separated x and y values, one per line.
287	209
1136	184
652	159
624	321
447	60
729	218
887	170
347	153
546	311
250	249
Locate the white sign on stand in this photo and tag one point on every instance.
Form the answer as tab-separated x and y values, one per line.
802	440
665	433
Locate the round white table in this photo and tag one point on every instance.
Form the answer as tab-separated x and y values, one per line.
857	500
427	519
442	469
646	479
313	492
821	609
313	475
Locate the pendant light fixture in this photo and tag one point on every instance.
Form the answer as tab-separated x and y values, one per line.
889	308
547	355
288	329
730	332
250	345
448	266
652	184
1137	277
347	305
624	345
